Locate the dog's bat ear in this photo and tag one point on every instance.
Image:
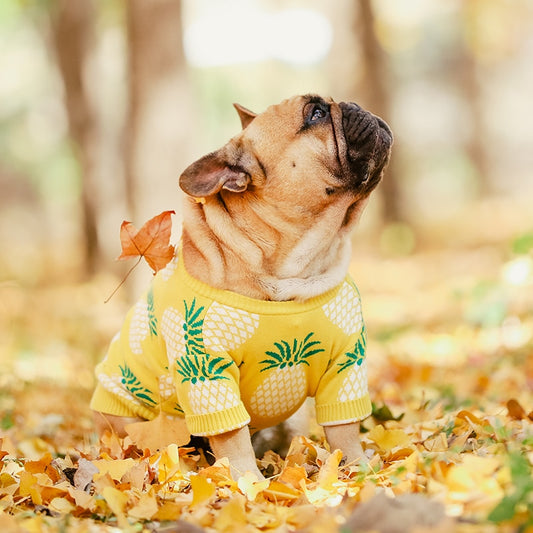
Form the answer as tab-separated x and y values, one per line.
245	115
212	173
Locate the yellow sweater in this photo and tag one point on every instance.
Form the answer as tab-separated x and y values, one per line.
223	360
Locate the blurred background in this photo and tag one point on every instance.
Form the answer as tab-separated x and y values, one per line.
104	103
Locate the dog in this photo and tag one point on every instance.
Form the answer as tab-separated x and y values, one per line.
257	312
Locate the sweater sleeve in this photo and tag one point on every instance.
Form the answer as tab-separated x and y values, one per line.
342	395
208	391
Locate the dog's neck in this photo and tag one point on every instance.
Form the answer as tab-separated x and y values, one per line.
228	245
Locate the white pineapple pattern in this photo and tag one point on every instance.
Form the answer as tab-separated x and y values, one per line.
114	385
210	396
345	310
139	326
226	328
173	333
354	385
285	387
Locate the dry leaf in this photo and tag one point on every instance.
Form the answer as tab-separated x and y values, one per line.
202	489
159	433
387	439
150	242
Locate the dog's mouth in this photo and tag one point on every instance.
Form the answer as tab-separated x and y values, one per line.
364	144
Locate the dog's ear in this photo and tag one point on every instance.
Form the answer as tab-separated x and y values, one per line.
245	115
212	173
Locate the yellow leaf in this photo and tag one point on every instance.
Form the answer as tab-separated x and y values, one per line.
329	473
159	433
28	487
250	486
293	475
61	505
168	512
116	500
387	439
202	489
116	469
82	499
167	463
145	508
279	492
232	516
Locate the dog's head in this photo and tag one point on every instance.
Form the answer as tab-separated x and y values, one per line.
305	153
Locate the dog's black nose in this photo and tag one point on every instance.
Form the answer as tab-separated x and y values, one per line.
368	139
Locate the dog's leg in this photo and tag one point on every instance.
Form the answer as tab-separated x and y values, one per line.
345	437
236	445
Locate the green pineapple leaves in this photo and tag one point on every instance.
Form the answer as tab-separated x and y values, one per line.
197	365
357	356
287	355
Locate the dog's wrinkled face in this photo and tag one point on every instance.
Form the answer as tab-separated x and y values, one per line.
304	154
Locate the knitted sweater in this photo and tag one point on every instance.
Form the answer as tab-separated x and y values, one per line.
223	360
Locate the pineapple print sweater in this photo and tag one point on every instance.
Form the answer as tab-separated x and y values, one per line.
222	360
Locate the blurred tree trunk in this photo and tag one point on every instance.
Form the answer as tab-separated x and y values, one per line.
471	88
376	97
156	130
72	27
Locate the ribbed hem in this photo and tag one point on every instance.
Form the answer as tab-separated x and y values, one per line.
333	414
104	401
218	422
253	305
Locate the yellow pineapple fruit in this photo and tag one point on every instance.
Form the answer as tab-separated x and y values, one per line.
284	389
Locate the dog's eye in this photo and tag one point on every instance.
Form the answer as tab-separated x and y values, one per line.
315	112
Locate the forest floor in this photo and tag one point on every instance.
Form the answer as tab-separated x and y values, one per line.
450	441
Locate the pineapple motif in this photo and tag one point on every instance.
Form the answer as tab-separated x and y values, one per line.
173	334
226	328
143	322
114	385
208	392
345	310
354	385
285	387
133	385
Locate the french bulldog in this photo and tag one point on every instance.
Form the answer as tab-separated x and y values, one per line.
257	311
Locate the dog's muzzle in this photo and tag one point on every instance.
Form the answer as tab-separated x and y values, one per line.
368	145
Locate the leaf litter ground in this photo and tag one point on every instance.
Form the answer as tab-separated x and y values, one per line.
450	444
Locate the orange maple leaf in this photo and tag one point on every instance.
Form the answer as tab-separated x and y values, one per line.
150	242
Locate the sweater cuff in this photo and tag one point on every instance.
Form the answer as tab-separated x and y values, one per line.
219	422
333	414
104	401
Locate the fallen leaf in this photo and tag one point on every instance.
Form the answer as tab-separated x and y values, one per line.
145	508
116	500
202	489
250	486
159	433
279	492
232	516
329	473
116	469
150	242
387	439
515	410
84	474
